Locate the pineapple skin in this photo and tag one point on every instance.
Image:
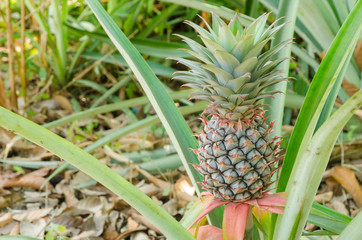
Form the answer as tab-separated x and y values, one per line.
237	151
237	158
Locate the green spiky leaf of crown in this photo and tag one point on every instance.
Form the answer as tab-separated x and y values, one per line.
232	70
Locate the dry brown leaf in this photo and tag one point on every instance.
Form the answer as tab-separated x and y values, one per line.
310	227
42	172
171	207
6	137
158	182
143	220
323	54
35	229
69	196
25	181
149	189
4	100
115	155
338	206
184	199
128	233
350	88
351	151
111	233
323	197
85	235
68	175
68	221
91	192
348	180
110	121
12	228
6	218
3	202
95	223
35	199
63	102
10	199
139	236
331	182
79	178
32	215
15	229
358	54
357	164
93	204
130	173
184	185
135	141
358	113
131	224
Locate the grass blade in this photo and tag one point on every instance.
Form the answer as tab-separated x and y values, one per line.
328	107
158	68
221	11
328	219
109	108
318	92
60	40
287	10
251	8
99	171
171	118
307	174
110	91
163	16
353	231
18	237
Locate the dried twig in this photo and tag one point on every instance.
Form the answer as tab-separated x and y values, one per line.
22	46
9	29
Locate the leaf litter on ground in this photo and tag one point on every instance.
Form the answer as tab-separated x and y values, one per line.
75	206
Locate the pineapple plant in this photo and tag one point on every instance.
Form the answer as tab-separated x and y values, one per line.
237	152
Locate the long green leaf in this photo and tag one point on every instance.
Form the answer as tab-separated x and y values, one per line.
251	8
152	47
99	171
19	237
110	108
60	40
307	174
318	92
317	26
218	10
353	231
158	68
163	16
328	219
111	91
288	12
171	118
58	66
328	107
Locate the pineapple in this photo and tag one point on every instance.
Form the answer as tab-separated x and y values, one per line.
237	153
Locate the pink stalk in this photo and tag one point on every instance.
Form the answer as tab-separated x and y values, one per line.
238	220
234	222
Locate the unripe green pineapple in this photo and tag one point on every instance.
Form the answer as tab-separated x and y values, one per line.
237	152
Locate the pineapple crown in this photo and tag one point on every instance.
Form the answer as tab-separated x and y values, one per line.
232	70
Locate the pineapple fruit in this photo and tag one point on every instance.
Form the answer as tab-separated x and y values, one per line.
237	152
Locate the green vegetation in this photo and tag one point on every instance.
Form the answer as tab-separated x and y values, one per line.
104	57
